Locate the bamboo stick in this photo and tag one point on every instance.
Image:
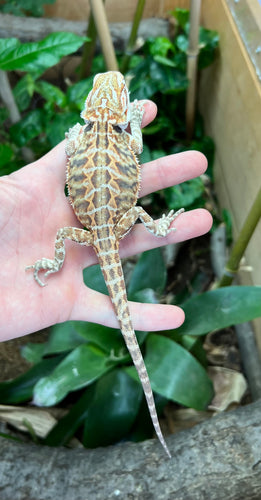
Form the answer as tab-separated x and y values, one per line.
192	62
102	26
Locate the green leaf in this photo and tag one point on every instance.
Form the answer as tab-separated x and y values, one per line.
118	397
184	194
36	57
33	353
65	428
29	127
221	308
7	44
208	43
24	7
23	91
160	46
77	93
79	369
6	154
52	94
60	123
108	339
21	388
176	374
149	272
93	278
182	16
63	337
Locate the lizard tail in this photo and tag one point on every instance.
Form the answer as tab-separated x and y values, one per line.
113	275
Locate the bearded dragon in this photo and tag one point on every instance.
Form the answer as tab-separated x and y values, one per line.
103	179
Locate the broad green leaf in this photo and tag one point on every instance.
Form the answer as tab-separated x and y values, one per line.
146	296
23	91
182	16
108	339
77	93
33	353
113	409
93	278
176	374
149	272
36	57
221	308
24	7
160	46
28	127
6	155
7	44
52	94
79	369
63	337
60	123
208	43
165	61
65	428
21	388
184	194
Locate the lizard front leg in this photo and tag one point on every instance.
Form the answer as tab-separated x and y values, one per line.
159	228
53	265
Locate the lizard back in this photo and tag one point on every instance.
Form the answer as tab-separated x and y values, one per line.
104	183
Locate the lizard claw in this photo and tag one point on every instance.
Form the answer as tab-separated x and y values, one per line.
42	265
163	226
36	270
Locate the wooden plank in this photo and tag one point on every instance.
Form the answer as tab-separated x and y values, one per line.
230	101
122	11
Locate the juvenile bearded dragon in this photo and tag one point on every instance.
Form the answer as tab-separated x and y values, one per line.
103	178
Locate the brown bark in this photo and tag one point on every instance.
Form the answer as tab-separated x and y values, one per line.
220	458
28	29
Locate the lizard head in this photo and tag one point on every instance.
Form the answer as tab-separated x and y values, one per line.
108	100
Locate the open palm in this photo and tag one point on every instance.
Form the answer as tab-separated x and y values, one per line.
33	207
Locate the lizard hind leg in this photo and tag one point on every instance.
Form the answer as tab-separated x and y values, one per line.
158	228
53	265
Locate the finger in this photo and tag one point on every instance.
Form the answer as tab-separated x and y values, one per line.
97	308
171	170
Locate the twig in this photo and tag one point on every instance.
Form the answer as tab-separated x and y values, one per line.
192	62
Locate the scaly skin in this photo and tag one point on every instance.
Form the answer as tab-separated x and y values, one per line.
103	177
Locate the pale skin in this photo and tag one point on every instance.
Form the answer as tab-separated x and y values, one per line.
33	207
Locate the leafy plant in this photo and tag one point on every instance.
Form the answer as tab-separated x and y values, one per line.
90	363
85	363
24	7
43	127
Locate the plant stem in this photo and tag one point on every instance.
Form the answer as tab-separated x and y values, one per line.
88	49
101	23
239	247
133	36
192	63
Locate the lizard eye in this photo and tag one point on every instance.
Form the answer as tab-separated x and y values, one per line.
117	129
88	126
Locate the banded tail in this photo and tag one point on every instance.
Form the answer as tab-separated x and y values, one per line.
109	260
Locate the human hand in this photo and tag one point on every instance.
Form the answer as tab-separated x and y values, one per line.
34	207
